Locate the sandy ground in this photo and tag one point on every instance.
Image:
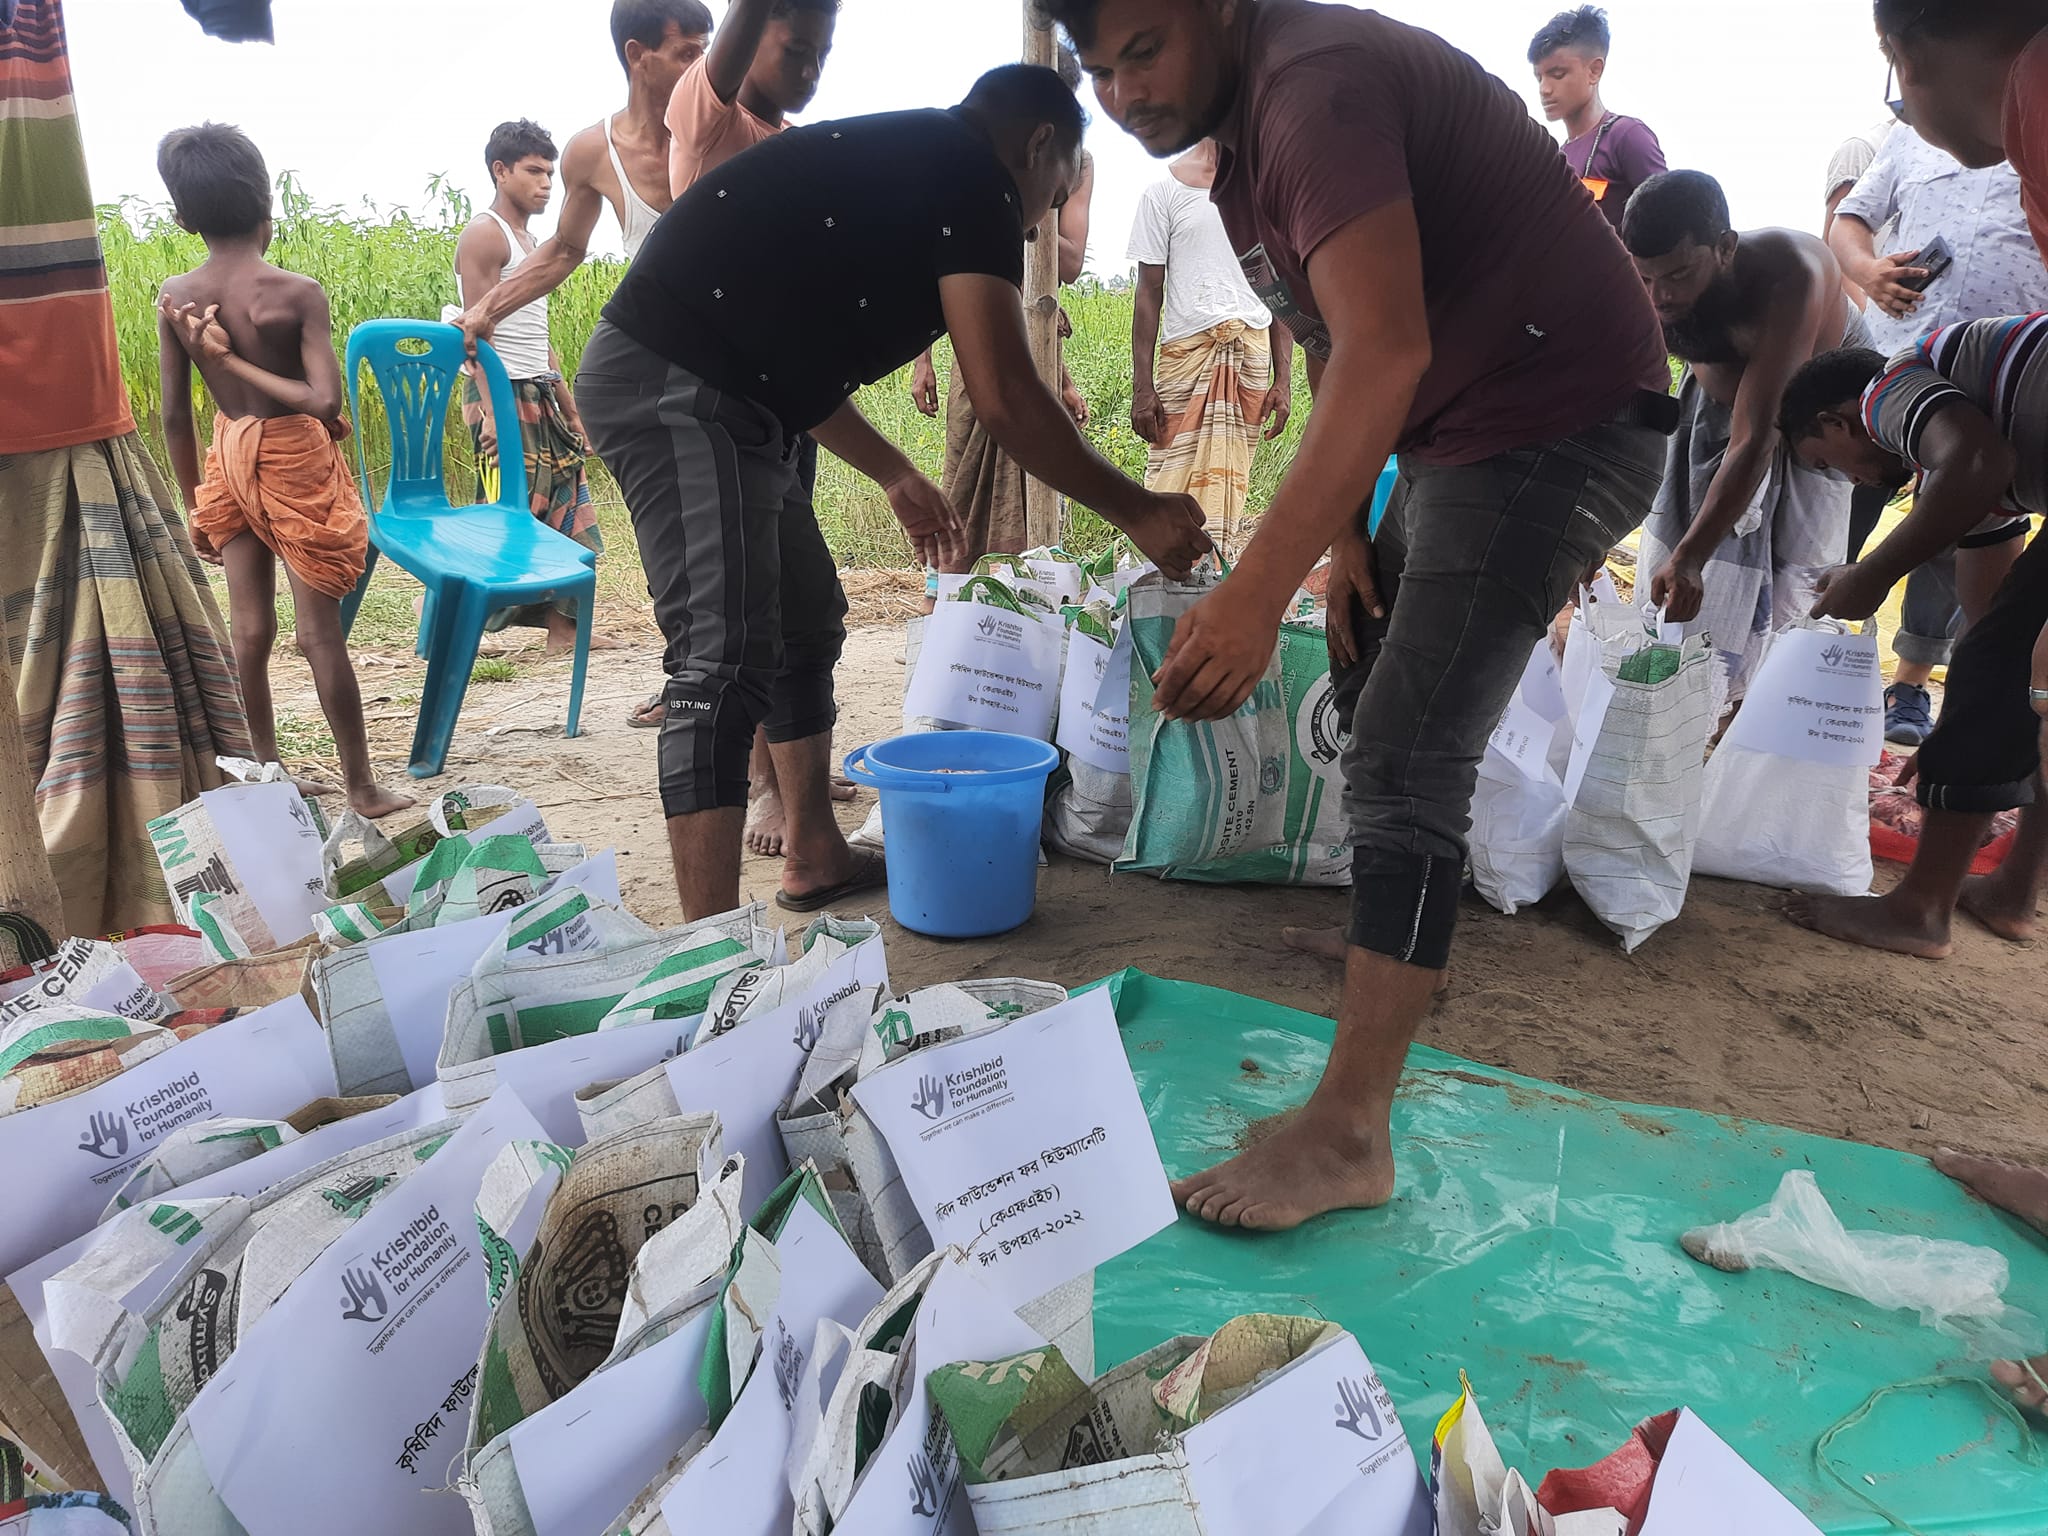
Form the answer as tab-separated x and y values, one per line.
1730	1009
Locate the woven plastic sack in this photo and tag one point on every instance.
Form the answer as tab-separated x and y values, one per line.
655	1311
1257	797
1630	836
249	1253
823	1124
1040	1449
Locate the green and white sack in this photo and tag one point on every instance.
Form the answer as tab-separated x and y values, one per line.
875	1446
369	1352
557	1308
566	1426
1636	779
1257	797
1162	1442
64	1514
238	1257
746	1068
385	1000
255	849
360	861
607	1436
823	1124
791	1269
516	1000
681	986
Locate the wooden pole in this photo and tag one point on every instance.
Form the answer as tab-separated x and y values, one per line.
1041	303
31	909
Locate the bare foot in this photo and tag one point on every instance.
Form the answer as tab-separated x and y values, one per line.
562	637
844	789
315	789
373	801
650	715
2026	1382
765	822
2008	913
1877	921
2013	1187
1323	943
1305	1168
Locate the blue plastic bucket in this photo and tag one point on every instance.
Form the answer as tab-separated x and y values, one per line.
961	812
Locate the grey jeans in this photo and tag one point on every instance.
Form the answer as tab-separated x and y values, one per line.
1474	563
744	588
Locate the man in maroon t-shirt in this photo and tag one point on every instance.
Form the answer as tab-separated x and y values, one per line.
1611	154
1367	174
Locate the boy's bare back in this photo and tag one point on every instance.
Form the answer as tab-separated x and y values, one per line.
273	319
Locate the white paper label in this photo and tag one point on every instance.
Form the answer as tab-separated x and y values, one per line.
1027	1145
1818	697
1704	1489
1095	702
1592	715
271	843
989	668
1321	1433
74	1375
65	1160
912	1484
747	1073
597	1447
737	1486
389	1322
416	971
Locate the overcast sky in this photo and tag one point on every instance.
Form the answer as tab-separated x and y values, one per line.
369	99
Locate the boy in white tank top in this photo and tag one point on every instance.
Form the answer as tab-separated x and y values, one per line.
621	161
521	157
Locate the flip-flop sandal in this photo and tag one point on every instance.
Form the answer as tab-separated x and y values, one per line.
638	719
870	872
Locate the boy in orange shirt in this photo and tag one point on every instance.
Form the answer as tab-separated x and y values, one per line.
763	64
276	484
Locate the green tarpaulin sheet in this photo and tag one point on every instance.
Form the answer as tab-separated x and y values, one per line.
1533	1242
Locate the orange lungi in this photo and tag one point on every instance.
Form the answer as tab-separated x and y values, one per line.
283	478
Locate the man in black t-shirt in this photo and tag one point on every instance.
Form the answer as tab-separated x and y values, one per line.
819	261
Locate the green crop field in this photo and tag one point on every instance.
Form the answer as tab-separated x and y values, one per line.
374	264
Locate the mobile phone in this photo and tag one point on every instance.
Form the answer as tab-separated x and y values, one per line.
1936	258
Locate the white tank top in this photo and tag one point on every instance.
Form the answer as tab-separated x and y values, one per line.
522	336
638	214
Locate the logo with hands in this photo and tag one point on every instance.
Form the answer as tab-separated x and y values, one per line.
924	1485
810	1027
1356	1410
1833	655
362	1297
931	1097
106	1135
988	625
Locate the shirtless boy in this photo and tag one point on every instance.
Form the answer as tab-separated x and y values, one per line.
275	485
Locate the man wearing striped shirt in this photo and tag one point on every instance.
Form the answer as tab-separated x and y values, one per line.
1965	409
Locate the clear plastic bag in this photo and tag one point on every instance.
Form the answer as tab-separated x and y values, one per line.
1957	1288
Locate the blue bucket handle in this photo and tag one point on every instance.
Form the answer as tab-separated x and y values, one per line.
880	775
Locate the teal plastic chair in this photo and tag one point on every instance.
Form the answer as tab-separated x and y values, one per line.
472	560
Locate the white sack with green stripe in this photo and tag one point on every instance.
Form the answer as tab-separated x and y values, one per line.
529	1014
1257	797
